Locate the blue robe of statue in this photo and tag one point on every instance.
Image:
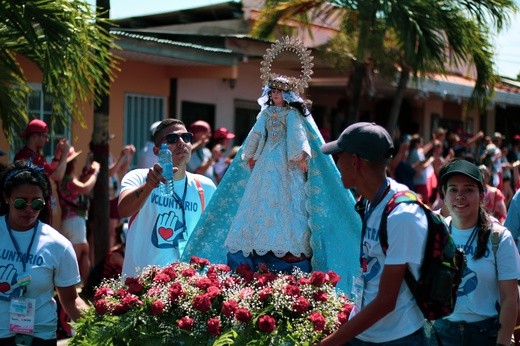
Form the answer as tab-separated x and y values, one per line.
274	206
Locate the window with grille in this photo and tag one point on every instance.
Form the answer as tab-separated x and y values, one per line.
39	106
141	111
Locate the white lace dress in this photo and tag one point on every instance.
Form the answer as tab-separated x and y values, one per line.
272	215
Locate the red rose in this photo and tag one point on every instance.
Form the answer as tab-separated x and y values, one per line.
245	271
267	324
122	292
199	261
318	278
188	273
103	292
264	279
301	305
154	291
202	302
176	291
229	307
320	296
262	268
185	323
157	307
243	315
131	280
213	326
265	293
304	281
216	268
342	317
213	291
347	307
162	278
292	290
170	272
135	286
318	321
333	278
120	309
203	283
102	306
130	300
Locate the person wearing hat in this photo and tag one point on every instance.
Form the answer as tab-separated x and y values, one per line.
221	142
73	193
146	157
490	278
36	136
202	158
385	310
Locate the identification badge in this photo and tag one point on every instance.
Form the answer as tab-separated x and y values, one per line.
21	317
357	289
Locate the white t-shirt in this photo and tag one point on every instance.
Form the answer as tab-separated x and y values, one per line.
156	233
478	291
407	230
52	263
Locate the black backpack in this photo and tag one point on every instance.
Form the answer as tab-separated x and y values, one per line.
443	265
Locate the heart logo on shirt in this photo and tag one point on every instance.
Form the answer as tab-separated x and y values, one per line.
4	287
165	232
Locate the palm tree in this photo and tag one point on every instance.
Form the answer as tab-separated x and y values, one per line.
63	40
430	27
415	32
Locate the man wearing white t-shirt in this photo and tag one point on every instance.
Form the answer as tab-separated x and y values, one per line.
385	310
160	226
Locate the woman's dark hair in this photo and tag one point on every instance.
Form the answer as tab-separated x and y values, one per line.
23	172
484	230
300	106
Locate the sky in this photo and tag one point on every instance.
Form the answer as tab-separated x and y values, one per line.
507	44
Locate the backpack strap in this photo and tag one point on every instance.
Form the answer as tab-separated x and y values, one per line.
201	193
405	196
496	234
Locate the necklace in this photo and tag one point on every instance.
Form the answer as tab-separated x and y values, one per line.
470	239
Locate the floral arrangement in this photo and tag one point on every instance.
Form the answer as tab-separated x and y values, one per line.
198	303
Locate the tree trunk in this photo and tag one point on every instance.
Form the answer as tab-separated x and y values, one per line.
99	211
355	84
398	99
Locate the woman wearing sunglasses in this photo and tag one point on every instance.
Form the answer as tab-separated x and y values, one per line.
36	260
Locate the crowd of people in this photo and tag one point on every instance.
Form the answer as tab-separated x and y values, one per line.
284	198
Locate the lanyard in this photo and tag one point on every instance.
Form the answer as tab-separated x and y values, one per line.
383	190
182	201
17	247
470	239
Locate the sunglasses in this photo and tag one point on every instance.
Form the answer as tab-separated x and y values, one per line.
36	204
173	138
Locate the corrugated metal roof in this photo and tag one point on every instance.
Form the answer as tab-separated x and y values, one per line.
149	37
